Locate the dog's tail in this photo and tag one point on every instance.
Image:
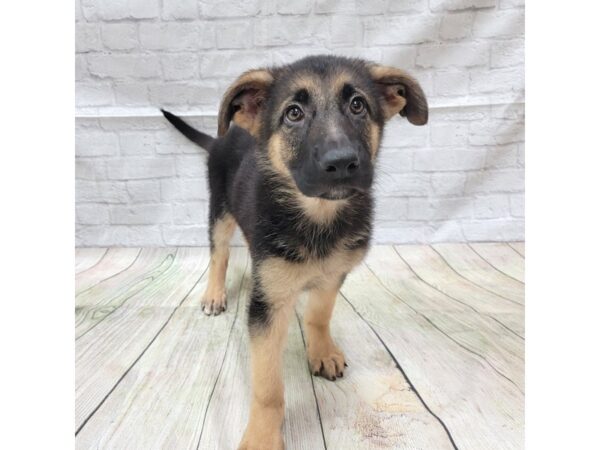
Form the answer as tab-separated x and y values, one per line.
197	137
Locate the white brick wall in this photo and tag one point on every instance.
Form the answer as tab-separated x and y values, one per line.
141	183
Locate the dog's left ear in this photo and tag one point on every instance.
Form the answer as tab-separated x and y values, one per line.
244	100
400	93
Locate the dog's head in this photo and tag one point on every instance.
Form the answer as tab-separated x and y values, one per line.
320	120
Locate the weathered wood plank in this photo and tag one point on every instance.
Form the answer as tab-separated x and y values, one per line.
503	258
227	413
107	351
87	257
162	401
149	263
432	268
156	373
395	272
372	406
94	304
115	261
519	247
481	408
473	267
479	333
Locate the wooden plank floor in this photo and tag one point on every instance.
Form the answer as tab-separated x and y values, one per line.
433	336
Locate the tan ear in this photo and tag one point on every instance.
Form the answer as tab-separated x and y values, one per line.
400	93
243	100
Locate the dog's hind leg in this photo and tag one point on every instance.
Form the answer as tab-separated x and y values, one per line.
214	300
324	357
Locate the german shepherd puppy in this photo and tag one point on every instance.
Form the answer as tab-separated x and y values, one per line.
294	171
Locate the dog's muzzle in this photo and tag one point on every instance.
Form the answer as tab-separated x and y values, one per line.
335	174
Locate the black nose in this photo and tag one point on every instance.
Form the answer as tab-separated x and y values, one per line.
339	163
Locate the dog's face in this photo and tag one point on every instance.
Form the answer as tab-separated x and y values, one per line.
320	120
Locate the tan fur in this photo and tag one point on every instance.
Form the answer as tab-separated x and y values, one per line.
279	154
324	357
247	121
267	406
307	81
393	104
340	80
214	299
318	90
394	82
258	79
282	282
282	279
316	209
374	138
320	210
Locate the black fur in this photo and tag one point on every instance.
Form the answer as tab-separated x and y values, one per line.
258	308
313	135
243	182
271	225
295	171
202	139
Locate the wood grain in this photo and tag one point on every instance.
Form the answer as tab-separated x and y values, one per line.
115	261
94	304
231	398
458	385
434	270
432	267
86	258
433	336
105	353
479	333
373	405
503	258
519	247
162	401
473	267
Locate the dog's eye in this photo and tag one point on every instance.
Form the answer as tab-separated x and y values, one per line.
294	114
357	105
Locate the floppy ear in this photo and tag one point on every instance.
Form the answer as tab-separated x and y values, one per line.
400	93
243	100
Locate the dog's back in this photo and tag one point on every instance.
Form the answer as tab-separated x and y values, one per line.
232	172
233	178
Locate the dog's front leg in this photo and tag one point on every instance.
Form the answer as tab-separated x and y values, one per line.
268	325
324	357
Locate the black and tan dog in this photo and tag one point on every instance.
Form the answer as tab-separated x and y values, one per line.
295	173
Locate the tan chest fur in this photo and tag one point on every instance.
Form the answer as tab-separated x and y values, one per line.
284	280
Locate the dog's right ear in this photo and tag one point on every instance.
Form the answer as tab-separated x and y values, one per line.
243	101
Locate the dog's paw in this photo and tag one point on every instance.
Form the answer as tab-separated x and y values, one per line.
262	440
327	360
214	302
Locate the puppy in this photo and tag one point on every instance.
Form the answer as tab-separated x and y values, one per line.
295	173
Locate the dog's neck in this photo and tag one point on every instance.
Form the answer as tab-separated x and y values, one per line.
317	210
301	228
320	210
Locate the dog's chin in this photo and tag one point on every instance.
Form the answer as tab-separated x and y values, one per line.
333	193
338	193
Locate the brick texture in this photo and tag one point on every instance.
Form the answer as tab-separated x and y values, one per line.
140	183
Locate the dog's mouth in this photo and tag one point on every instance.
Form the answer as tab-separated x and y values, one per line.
338	193
329	191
